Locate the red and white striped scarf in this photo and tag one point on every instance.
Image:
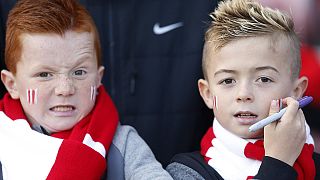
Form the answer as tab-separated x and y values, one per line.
82	152
236	158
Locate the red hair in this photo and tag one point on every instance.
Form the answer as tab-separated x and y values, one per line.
45	16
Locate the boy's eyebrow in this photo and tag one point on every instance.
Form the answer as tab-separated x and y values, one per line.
224	71
267	68
81	60
43	67
257	69
51	67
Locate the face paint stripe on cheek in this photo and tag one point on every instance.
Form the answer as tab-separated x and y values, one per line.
36	96
90	92
32	96
28	96
93	93
215	102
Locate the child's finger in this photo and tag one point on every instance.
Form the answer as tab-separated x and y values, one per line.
292	108
274	107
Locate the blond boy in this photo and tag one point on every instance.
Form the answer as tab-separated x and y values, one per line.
251	65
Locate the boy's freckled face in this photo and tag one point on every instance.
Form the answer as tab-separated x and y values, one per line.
246	75
62	69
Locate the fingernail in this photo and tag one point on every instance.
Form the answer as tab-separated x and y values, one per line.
274	103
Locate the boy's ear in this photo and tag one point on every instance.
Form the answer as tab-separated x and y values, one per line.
205	92
9	82
300	87
100	75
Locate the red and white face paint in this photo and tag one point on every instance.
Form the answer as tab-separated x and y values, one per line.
93	94
215	102
32	96
280	104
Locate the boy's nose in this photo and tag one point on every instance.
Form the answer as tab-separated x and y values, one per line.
65	87
245	94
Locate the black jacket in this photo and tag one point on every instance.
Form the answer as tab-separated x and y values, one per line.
153	78
193	166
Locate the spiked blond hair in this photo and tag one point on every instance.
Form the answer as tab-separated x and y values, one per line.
237	19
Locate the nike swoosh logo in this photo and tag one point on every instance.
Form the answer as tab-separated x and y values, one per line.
161	30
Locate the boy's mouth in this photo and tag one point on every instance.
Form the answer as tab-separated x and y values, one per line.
245	115
62	108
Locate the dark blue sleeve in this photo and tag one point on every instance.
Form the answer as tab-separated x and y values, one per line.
275	169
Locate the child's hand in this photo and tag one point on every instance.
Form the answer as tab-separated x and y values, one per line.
285	138
25	153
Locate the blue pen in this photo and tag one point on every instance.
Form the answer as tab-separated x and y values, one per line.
258	125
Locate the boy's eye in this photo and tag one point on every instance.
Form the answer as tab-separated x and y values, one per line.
264	79
227	81
79	73
44	74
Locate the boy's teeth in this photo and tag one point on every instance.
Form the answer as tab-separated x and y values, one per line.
62	108
246	115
